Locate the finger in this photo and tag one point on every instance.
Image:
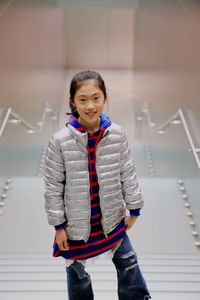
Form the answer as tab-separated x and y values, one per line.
66	245
61	247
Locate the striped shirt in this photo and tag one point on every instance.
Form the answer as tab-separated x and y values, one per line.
98	242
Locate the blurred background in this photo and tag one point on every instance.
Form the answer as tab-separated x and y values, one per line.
148	52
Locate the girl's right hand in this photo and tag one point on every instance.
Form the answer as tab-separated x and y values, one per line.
61	239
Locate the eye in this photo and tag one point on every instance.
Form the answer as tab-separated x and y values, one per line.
82	100
96	98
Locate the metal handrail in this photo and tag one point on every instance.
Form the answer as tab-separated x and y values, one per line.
168	122
5	120
23	122
9	113
180	115
46	109
145	111
189	136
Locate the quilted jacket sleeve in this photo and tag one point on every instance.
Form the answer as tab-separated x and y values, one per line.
129	183
54	179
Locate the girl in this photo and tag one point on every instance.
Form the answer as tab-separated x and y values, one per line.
90	181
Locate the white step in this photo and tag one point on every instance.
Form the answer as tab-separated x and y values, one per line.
98	296
101	268
43	277
49	276
172	286
169	259
142	263
144	256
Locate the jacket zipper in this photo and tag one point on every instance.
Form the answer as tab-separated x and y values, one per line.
106	133
100	202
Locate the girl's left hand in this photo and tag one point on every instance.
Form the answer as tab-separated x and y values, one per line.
130	221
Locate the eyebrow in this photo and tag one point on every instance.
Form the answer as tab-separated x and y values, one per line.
87	95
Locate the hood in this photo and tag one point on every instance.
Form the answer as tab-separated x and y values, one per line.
105	122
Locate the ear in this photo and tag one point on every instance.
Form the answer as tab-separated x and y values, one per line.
72	102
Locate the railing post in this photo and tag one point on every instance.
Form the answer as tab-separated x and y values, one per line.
5	120
185	126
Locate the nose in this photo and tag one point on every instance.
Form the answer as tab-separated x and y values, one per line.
90	105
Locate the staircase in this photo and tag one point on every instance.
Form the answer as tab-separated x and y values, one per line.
40	277
162	238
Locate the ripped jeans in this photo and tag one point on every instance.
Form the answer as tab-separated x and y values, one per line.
131	284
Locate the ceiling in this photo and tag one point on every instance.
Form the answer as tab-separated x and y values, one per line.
51	37
42	40
106	34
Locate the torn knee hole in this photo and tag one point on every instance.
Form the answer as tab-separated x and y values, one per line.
127	255
131	267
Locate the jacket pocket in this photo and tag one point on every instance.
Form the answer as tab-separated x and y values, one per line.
77	229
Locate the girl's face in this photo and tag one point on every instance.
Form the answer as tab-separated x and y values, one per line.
89	102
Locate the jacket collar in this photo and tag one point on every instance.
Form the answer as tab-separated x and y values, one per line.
105	122
80	134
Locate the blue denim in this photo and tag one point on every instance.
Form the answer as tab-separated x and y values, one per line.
131	284
79	282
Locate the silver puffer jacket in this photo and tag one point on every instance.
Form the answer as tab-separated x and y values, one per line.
67	184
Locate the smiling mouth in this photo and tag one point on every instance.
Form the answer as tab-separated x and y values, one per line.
91	114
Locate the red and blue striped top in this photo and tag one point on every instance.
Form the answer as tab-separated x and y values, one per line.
98	242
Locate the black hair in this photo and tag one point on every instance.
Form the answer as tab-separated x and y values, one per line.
76	82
